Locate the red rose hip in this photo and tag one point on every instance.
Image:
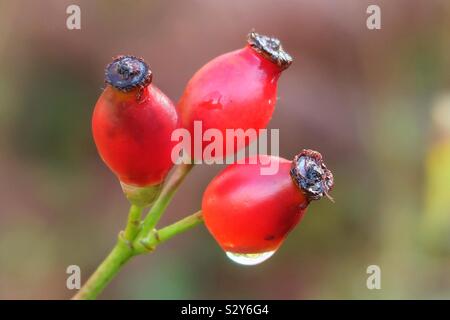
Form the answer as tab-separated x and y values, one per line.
250	214
237	90
132	124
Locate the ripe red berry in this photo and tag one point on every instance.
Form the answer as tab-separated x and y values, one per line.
236	90
250	214
132	126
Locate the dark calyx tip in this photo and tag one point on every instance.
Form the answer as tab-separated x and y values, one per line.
126	73
271	48
311	175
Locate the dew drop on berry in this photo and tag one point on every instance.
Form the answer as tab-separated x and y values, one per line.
249	259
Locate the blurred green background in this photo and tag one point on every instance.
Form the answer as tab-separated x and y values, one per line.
376	103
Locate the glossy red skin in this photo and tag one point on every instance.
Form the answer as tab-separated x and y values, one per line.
247	212
133	135
235	90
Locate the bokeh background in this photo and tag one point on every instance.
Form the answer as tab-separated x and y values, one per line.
376	103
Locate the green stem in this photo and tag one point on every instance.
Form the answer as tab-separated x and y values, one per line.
119	255
137	239
122	253
134	221
161	203
156	237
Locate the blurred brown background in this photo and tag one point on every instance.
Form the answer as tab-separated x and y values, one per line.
376	103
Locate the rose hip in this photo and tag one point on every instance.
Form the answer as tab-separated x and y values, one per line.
250	214
132	125
237	90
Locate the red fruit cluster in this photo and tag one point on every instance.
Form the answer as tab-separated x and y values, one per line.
245	211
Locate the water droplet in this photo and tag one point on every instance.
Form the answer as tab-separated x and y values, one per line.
250	259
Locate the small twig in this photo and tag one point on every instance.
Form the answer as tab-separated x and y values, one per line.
134	222
140	238
161	203
122	253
